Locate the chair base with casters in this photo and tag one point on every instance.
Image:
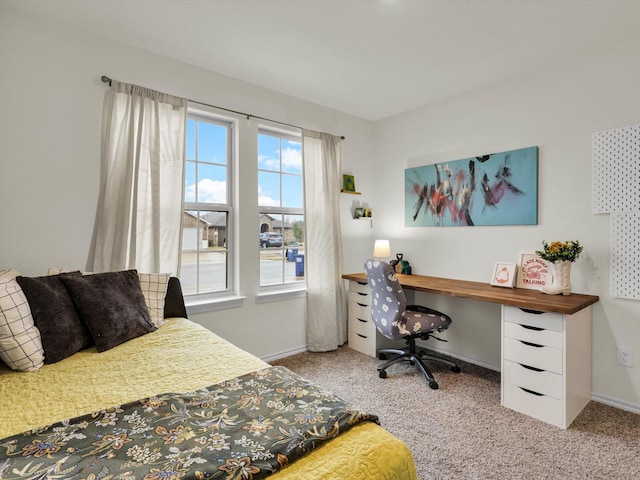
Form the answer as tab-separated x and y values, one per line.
414	357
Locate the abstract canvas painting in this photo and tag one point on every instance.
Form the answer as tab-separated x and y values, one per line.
496	189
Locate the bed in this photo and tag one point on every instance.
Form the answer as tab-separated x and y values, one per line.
75	418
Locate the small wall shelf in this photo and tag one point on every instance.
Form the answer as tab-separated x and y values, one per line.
351	193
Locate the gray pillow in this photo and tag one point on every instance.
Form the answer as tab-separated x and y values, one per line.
62	330
112	306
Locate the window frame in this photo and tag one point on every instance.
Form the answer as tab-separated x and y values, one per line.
274	292
229	208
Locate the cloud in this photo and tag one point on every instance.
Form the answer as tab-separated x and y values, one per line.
291	160
265	200
210	191
267	162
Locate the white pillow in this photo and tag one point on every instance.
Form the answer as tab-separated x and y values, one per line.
154	288
20	343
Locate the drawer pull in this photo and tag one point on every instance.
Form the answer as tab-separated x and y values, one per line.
362	304
362	294
363	321
361	283
531	392
361	336
529	327
534	312
531	368
529	344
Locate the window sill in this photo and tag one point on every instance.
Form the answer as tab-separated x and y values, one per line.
197	305
279	295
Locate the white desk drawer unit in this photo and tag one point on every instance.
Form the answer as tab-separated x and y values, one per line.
533	379
362	331
532	355
546	363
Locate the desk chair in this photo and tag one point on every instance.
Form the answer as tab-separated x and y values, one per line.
396	320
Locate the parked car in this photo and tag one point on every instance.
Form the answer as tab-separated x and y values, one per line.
270	239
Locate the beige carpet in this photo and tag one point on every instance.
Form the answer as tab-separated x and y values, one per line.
461	432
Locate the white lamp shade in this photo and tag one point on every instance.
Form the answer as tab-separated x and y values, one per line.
382	249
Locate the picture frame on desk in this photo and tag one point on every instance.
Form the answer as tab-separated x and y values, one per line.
533	271
504	274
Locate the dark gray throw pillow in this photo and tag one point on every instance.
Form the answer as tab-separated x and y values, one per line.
62	330
112	305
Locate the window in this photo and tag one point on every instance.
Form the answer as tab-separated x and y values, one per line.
281	208
206	227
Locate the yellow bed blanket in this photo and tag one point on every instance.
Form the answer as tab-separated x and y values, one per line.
180	356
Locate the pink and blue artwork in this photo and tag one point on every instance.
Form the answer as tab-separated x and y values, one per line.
496	189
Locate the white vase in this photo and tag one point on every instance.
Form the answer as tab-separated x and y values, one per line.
560	278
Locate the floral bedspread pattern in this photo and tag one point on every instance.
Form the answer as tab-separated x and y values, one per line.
245	428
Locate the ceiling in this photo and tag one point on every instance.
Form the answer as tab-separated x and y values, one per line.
369	58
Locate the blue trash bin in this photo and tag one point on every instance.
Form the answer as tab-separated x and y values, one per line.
300	265
291	254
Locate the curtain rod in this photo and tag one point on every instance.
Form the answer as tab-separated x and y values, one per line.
106	79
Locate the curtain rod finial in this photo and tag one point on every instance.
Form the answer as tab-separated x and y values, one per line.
105	79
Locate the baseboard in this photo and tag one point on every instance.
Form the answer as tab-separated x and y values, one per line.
283	354
613	402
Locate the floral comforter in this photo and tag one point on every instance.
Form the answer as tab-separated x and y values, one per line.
244	428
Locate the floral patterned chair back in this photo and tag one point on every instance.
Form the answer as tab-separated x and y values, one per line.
388	298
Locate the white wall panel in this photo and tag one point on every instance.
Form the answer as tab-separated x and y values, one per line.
625	255
616	170
616	190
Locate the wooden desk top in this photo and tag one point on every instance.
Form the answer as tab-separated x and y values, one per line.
515	297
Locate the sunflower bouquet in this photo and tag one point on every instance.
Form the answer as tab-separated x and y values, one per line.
560	251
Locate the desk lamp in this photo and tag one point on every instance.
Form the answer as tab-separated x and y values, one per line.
381	249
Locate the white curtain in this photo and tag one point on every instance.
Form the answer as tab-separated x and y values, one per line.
139	211
326	308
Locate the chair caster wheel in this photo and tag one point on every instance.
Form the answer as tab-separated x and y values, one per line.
455	369
382	374
434	385
382	356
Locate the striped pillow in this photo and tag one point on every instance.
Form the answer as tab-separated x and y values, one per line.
154	289
20	342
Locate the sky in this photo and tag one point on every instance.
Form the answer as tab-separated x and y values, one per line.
277	158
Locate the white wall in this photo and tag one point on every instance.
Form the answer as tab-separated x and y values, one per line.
557	109
50	121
